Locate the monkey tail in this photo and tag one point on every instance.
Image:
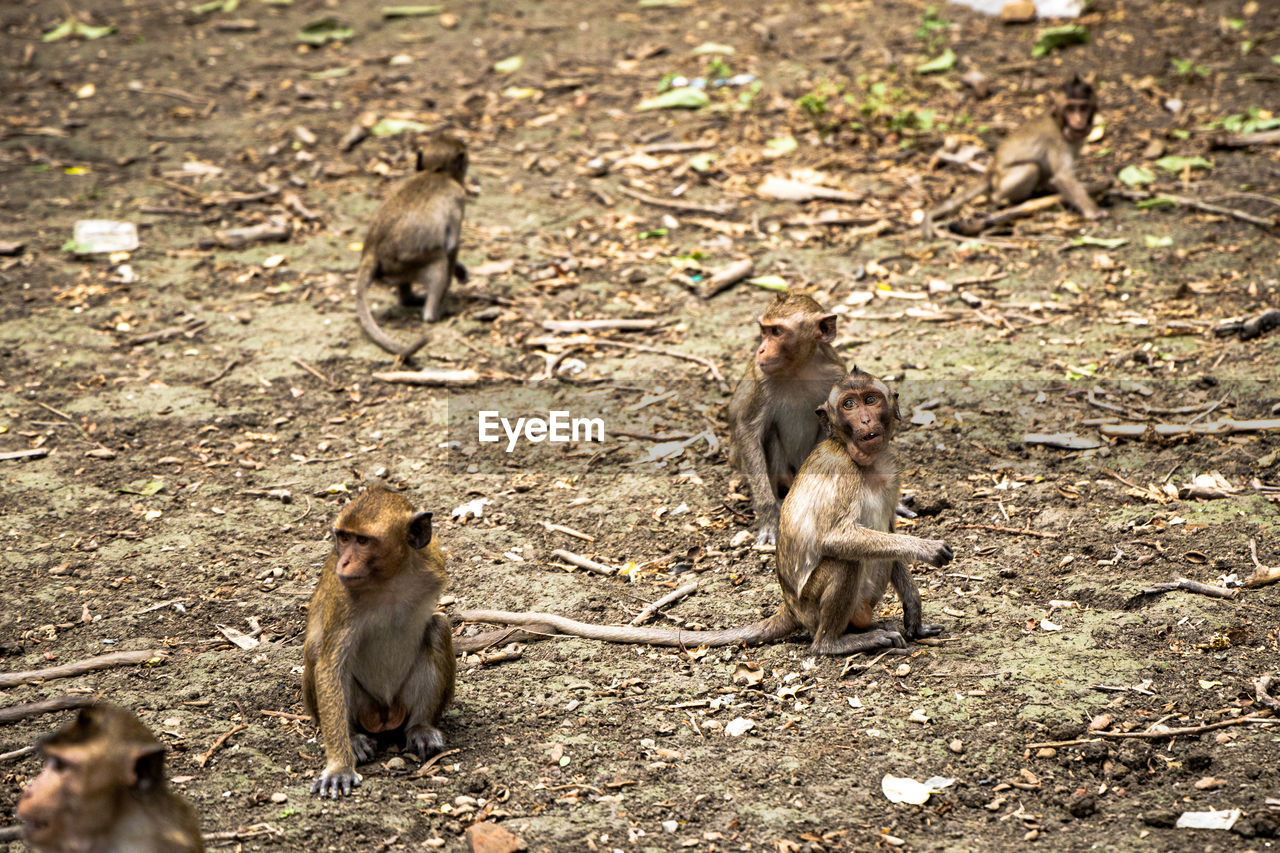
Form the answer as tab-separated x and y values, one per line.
364	275
775	627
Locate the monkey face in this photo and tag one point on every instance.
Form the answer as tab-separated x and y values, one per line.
358	557
72	797
787	343
1076	119
862	413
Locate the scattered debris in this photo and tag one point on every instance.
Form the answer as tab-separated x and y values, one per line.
899	789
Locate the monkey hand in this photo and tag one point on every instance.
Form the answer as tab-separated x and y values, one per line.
336	782
935	552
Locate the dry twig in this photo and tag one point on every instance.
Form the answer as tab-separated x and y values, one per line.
14	713
673	596
68	670
582	562
217	744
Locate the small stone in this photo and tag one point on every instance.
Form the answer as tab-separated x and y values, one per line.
670	827
1047	752
1082	805
1018	12
1154	150
395	764
1209	783
904	669
1100	722
490	838
1160	818
448	20
956	746
279	797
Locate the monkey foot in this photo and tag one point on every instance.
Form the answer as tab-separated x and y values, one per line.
364	747
866	641
337	783
424	741
927	630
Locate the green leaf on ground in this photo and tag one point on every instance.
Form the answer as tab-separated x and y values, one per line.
945	62
1136	176
769	282
1053	38
685	98
1177	164
72	27
324	30
392	126
510	65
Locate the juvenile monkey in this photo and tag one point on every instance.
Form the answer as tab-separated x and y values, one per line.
837	553
377	657
414	238
771	413
1039	155
103	789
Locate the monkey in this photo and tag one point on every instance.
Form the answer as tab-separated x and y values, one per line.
1040	154
414	236
103	789
771	418
377	657
837	552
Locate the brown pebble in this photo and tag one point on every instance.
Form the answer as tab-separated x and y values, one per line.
1100	722
448	20
1047	752
956	746
1209	783
490	838
1018	12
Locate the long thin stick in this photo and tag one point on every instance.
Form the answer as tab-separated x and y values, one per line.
675	595
217	744
67	670
1188	201
582	562
1191	730
44	706
726	277
33	453
1191	586
675	204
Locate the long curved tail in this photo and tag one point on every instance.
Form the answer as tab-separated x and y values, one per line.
364	275
775	627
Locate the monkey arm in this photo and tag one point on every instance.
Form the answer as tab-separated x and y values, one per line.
851	542
1065	181
749	426
333	704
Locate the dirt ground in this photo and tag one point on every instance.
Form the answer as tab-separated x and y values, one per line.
207	410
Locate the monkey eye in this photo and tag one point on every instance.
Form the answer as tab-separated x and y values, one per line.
361	540
846	403
56	763
871	399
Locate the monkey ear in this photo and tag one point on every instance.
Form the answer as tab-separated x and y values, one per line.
420	164
824	418
420	530
827	327
147	772
893	396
